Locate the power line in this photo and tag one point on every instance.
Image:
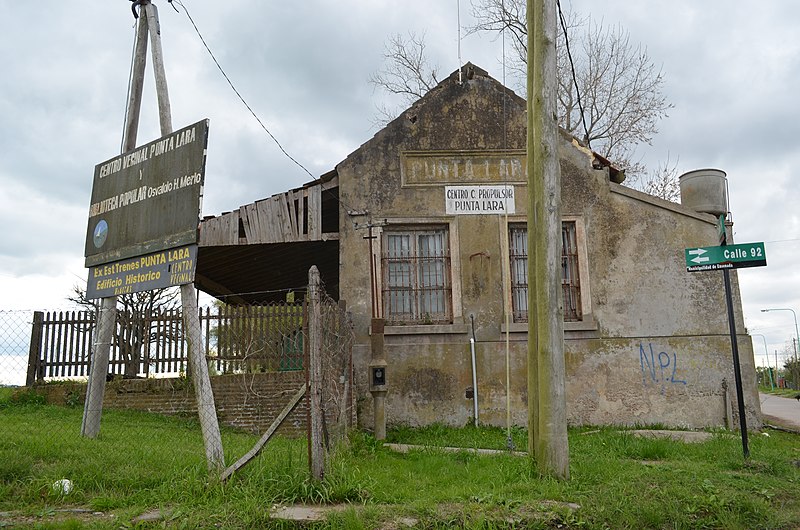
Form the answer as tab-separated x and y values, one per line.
574	75
290	157
330	192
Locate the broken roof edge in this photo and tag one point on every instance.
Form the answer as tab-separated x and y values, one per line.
327	180
598	161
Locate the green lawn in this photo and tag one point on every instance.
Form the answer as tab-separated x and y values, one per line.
143	462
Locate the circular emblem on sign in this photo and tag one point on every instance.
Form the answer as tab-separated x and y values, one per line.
100	233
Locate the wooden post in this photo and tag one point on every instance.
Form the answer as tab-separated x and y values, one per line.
317	447
98	368
164	111
35	348
107	314
137	87
204	396
547	418
252	453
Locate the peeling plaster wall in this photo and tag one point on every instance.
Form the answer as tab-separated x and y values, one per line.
654	345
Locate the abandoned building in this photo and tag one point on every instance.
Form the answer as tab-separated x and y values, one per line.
424	226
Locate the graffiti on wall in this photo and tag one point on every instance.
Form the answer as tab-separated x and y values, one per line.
659	368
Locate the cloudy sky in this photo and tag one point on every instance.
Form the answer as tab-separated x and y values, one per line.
732	70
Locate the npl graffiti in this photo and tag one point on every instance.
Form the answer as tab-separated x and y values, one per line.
660	367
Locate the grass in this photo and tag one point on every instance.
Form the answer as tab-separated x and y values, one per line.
143	462
783	392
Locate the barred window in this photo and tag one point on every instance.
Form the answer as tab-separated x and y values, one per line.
570	277
416	276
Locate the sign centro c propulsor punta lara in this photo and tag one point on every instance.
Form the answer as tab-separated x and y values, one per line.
144	215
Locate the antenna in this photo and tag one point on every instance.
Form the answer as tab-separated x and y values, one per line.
458	16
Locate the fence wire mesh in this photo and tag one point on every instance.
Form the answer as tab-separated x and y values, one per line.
256	358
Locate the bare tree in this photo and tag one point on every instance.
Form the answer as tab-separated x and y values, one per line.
135	315
661	182
620	88
407	73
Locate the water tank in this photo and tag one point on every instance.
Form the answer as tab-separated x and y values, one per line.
705	190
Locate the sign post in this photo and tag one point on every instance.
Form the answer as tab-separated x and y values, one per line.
726	257
143	228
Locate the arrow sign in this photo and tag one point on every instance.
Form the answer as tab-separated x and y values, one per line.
698	252
727	257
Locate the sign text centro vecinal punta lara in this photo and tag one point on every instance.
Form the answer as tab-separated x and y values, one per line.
144	215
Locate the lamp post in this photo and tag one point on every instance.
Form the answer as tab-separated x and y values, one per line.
796	334
766	355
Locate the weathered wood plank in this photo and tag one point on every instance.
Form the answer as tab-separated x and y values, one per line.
248	230
315	213
291	202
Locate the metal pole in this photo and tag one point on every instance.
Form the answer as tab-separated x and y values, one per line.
737	372
475	373
766	359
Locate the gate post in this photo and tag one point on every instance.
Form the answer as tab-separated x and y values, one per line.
316	442
35	348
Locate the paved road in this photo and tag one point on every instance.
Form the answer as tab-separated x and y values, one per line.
781	411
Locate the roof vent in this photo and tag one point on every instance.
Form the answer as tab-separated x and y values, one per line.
705	190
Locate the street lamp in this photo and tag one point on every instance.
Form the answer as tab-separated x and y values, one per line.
766	356
796	334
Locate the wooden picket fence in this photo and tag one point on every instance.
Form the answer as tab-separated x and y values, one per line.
237	339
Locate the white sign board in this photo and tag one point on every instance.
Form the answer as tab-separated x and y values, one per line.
479	200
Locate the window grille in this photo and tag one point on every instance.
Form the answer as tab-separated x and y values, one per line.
570	277
416	276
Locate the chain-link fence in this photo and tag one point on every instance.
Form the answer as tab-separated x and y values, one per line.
251	378
16	328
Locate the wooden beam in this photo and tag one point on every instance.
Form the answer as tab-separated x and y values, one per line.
252	453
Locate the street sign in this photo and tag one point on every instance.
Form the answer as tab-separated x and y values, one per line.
725	257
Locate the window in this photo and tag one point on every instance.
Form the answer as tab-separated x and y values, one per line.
518	247
570	276
416	276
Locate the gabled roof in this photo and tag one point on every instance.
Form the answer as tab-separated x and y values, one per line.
256	252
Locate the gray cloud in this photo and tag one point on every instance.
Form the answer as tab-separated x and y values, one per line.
731	70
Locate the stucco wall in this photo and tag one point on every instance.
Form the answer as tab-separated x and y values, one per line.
653	346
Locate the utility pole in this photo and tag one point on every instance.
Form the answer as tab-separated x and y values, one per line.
547	408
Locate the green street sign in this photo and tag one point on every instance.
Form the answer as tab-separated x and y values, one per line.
725	257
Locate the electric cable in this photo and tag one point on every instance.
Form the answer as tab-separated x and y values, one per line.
574	75
233	87
330	192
